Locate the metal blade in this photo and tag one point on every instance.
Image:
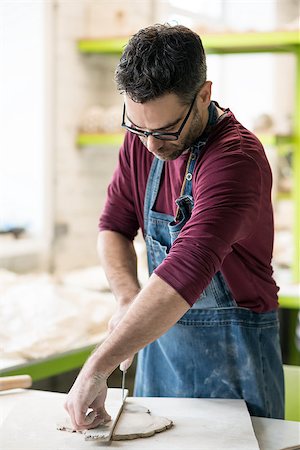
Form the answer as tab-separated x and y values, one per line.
123	385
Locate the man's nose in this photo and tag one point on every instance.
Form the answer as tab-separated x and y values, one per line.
153	144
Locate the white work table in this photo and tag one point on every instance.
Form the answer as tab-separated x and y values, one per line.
186	434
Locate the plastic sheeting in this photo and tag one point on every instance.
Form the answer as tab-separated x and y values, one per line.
40	316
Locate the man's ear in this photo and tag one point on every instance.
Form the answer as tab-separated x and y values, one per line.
205	93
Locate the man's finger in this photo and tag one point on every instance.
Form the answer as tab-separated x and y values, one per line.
70	410
101	416
90	417
126	364
83	420
96	423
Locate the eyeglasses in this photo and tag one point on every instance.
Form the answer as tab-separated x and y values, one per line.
164	136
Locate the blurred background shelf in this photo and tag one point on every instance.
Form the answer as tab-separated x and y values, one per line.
53	365
99	139
277	41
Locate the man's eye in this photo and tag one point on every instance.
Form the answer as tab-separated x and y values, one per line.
137	128
166	130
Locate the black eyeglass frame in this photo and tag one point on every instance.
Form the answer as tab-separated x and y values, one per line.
158	134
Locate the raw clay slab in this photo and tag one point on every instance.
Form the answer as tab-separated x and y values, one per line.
200	424
135	421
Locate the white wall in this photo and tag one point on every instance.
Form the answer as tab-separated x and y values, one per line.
22	115
81	81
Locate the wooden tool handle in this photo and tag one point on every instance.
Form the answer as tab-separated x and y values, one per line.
18	381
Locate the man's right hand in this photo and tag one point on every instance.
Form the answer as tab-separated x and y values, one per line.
115	319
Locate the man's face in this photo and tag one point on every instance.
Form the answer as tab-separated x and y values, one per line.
166	114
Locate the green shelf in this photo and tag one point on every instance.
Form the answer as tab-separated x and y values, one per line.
53	365
289	301
251	42
97	140
276	140
106	46
277	41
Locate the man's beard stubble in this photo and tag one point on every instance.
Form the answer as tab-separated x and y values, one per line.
196	128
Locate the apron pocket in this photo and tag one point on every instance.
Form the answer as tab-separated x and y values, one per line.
156	253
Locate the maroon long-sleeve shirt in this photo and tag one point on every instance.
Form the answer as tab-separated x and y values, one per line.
231	226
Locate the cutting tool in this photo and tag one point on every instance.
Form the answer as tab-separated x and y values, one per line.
123	385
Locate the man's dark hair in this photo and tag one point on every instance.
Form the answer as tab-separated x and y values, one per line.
162	59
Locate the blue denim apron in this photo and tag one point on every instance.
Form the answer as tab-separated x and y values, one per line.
217	349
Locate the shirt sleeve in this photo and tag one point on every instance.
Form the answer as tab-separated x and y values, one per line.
119	211
227	193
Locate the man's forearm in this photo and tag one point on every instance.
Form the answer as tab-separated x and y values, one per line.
119	261
155	309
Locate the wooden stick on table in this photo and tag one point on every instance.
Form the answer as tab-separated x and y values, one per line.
14	382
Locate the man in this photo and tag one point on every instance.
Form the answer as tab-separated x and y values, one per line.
198	184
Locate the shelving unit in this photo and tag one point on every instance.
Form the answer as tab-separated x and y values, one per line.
218	43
